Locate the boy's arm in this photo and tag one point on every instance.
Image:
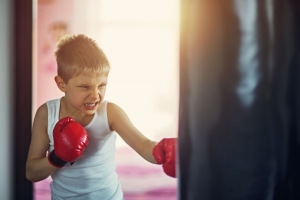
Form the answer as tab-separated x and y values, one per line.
37	165
120	122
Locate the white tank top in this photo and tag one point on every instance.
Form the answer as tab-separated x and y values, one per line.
93	175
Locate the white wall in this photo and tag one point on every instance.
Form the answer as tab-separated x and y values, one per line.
6	98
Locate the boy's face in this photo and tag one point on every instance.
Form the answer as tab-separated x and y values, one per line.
84	93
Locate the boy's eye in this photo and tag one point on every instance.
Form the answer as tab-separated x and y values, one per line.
84	87
103	85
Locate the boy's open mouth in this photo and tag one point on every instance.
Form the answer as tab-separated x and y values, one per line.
90	106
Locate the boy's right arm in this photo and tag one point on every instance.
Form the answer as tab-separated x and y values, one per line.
37	166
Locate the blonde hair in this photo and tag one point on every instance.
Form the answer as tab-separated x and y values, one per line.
79	54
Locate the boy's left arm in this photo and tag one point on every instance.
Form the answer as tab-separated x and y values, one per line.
163	152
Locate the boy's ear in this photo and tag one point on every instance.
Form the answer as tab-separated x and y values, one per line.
60	83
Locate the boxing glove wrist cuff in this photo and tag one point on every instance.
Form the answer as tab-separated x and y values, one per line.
55	160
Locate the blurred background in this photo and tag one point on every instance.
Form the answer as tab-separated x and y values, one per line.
141	41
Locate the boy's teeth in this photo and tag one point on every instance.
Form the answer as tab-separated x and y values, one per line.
90	104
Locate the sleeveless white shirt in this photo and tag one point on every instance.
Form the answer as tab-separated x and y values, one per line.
93	175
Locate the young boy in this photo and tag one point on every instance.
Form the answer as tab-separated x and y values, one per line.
78	129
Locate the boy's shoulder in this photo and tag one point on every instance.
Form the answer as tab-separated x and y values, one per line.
110	105
41	114
43	109
53	101
113	110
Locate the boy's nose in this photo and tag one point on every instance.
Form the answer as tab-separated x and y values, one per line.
95	94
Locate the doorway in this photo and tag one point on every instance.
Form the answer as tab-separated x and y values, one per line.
141	41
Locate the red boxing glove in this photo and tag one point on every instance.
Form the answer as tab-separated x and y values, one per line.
165	153
70	140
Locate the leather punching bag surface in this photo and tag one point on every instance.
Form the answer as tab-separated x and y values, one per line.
239	124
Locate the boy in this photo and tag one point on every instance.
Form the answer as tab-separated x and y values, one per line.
78	129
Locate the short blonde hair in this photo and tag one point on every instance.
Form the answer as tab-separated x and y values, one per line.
77	54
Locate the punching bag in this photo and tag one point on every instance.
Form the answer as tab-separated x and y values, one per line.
239	106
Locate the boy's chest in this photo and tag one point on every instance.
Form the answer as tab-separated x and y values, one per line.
84	121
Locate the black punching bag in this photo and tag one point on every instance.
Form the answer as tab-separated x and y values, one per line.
239	116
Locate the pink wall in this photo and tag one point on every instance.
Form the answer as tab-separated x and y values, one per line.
53	21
